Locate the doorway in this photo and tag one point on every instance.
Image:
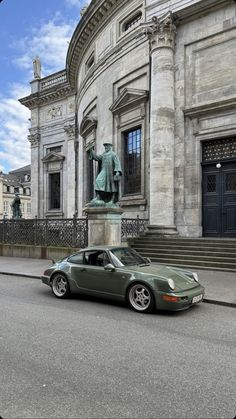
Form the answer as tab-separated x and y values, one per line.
219	199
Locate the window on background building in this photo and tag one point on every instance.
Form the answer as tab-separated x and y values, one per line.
28	208
6	207
26	177
54	191
132	161
22	207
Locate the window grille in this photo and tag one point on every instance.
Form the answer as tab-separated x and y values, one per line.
219	149
132	161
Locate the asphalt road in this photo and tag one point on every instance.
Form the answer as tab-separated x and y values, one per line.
84	358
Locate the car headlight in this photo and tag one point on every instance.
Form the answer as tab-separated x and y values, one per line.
195	276
171	283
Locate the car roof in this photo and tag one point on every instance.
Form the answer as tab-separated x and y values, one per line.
103	247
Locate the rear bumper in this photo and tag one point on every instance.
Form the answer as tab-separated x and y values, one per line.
185	299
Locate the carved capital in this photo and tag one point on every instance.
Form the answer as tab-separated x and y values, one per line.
161	31
70	130
34	138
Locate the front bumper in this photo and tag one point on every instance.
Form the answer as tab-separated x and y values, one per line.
185	299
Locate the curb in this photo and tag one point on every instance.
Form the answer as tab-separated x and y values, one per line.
21	274
205	300
219	303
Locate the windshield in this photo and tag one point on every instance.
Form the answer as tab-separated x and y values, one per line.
125	256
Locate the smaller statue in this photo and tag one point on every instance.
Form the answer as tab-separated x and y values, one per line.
16	207
37	68
108	178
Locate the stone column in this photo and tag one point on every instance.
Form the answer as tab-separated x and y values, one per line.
69	128
162	39
34	139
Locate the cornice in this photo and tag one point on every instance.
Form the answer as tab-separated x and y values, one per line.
127	98
196	9
97	13
212	107
47	96
51	157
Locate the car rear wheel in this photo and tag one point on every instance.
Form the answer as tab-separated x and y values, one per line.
140	298
60	286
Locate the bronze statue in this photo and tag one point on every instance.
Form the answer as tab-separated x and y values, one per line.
16	207
108	178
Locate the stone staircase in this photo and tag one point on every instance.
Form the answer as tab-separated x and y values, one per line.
201	253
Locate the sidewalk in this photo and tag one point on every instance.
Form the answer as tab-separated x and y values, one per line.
220	286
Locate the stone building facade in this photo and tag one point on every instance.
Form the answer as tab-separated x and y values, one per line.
157	78
15	181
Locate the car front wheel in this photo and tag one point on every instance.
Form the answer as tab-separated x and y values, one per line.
140	298
60	286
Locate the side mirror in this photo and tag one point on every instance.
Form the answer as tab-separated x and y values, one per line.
109	267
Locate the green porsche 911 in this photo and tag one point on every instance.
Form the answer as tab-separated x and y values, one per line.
120	273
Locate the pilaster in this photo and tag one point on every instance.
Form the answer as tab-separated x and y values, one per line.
69	128
34	139
161	34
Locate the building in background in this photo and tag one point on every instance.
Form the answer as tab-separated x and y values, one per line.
156	79
18	180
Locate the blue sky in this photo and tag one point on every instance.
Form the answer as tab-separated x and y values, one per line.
28	28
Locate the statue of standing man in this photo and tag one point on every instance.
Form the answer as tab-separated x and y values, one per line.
108	178
16	207
37	68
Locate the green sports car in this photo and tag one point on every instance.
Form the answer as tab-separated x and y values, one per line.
120	273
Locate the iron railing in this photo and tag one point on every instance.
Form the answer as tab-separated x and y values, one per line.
133	227
70	232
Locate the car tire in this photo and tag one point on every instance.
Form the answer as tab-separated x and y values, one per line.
140	298
60	286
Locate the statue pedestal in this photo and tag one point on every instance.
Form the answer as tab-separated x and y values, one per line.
104	226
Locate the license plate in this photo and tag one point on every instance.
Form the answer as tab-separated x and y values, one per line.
197	299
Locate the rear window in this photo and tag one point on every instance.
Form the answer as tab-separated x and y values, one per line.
78	258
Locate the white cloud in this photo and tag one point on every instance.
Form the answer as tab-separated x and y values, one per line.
14	146
49	42
78	3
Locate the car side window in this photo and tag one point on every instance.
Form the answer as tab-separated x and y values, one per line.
78	258
96	258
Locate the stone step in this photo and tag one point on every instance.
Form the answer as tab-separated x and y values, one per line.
193	266
200	264
184	242
202	253
207	258
183	246
183	251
